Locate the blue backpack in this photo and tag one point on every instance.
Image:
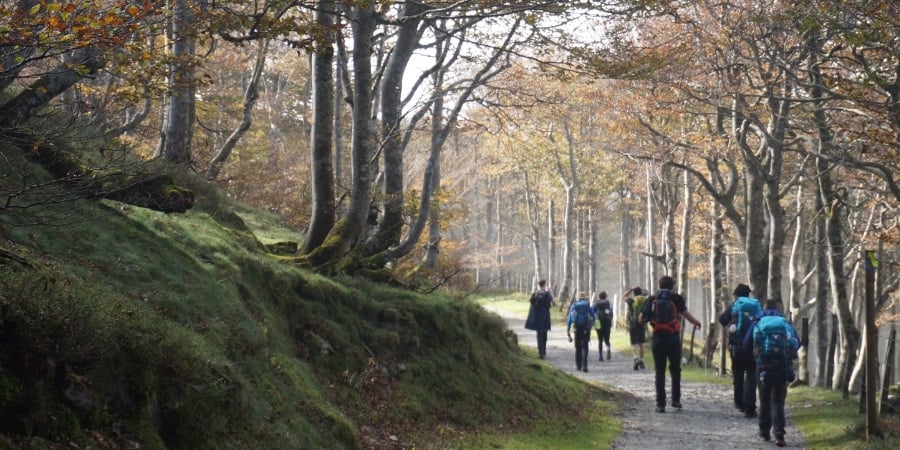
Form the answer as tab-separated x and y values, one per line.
771	341
582	315
747	310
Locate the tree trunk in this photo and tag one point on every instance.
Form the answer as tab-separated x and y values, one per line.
391	223
850	334
551	251
650	232
175	145
321	168
718	286
569	179
351	229
684	250
531	209
591	239
627	230
823	317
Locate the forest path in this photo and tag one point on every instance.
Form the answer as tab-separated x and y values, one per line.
708	420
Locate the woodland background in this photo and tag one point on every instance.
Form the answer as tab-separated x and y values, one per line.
482	144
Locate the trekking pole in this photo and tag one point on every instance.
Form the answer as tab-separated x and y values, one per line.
693	333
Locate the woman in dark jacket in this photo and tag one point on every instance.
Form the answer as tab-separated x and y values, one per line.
539	316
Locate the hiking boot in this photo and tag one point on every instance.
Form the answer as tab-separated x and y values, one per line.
585	370
641	362
676	405
750	413
660	409
601	357
637	363
779	440
608	354
764	435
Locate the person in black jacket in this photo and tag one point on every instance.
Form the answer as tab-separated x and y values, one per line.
539	316
662	310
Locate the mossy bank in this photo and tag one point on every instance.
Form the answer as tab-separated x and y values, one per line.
123	327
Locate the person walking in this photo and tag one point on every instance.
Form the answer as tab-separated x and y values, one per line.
637	332
603	311
663	310
539	316
582	317
744	311
774	344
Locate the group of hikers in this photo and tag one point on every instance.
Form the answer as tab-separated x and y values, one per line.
762	343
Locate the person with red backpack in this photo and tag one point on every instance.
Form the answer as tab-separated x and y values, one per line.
664	310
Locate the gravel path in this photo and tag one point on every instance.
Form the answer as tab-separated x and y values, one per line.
708	421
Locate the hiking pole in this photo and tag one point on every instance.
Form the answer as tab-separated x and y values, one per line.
693	333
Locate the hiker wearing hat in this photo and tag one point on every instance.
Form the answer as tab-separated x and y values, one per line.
582	317
744	312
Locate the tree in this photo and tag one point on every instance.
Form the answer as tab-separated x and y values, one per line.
323	207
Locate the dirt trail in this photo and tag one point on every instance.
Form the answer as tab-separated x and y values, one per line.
708	420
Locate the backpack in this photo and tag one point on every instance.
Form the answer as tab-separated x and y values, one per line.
603	309
772	342
747	310
636	309
663	313
582	315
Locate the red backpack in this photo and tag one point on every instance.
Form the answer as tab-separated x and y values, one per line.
663	313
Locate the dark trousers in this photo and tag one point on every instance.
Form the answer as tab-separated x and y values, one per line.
772	391
582	341
603	337
667	347
542	343
743	371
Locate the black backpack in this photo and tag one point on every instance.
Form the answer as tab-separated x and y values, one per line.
603	309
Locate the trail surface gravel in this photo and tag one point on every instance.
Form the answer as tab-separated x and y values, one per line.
708	419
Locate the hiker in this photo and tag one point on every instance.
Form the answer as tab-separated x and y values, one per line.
603	311
744	311
774	344
582	317
662	310
539	316
637	332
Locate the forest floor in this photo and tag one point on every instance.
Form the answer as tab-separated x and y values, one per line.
708	419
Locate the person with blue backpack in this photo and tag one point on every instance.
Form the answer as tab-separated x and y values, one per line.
664	310
744	311
582	317
774	344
